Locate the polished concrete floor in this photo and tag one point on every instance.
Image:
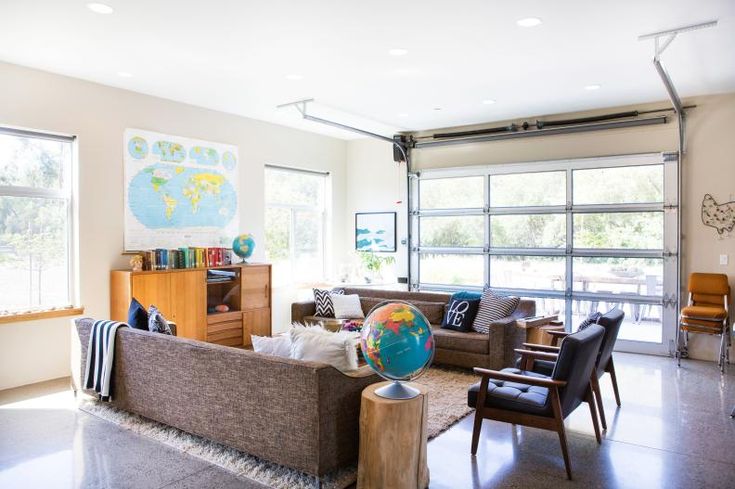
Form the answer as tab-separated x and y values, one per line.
673	431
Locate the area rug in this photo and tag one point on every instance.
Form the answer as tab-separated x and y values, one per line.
447	405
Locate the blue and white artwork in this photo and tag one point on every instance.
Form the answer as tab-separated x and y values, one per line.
375	231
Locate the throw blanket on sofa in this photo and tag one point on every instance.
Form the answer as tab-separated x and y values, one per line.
100	357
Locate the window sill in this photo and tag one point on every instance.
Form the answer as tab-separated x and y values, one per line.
50	313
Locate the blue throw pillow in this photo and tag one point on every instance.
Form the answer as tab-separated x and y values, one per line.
460	314
156	322
137	315
468	295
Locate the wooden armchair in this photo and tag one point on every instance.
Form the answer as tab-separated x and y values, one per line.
530	399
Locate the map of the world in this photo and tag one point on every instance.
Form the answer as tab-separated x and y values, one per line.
179	192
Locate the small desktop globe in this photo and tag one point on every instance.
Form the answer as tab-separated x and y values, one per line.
243	246
397	342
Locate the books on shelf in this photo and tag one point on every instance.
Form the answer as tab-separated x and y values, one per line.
186	257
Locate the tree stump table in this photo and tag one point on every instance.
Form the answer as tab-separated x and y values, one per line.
393	441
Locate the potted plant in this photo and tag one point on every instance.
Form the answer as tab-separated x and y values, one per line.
374	263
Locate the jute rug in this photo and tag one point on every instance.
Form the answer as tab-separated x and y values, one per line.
447	405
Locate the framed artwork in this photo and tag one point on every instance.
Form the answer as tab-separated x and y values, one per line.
375	231
179	191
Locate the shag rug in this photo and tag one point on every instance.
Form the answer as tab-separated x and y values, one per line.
447	405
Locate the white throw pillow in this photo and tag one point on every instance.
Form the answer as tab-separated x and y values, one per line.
347	306
279	346
319	345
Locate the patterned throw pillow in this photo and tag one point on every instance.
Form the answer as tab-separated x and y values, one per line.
591	319
460	313
492	308
156	322
324	306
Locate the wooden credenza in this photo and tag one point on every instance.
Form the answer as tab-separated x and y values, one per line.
184	297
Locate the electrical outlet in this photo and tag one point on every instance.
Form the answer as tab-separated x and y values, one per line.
723	259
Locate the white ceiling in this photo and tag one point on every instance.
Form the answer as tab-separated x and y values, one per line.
234	55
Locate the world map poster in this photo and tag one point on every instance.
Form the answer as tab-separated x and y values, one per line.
179	191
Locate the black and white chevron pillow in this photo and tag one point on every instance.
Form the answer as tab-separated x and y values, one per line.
493	307
324	305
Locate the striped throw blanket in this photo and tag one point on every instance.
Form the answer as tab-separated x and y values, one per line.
100	357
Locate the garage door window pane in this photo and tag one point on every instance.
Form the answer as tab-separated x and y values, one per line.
625	230
639	276
452	193
452	231
528	231
527	272
619	185
448	269
528	189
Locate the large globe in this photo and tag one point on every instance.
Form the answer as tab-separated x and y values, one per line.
396	341
243	246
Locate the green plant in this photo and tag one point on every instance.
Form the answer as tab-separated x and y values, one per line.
373	262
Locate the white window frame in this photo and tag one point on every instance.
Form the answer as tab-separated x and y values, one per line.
669	253
321	211
66	193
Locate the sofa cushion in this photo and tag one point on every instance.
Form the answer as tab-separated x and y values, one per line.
469	342
347	306
513	395
137	315
323	301
460	314
492	308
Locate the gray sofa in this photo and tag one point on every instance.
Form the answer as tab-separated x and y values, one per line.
300	414
467	350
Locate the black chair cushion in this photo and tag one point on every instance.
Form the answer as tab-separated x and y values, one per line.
514	396
543	367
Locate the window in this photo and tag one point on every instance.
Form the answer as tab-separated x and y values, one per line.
35	222
575	235
295	218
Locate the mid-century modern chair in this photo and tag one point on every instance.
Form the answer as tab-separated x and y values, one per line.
611	321
531	399
706	312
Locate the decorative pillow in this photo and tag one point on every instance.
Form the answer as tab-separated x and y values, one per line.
323	301
347	306
493	307
137	315
460	314
316	344
591	319
467	295
279	346
156	322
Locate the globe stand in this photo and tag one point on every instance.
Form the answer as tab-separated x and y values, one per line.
397	390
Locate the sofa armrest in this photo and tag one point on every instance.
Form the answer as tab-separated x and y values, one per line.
505	336
301	309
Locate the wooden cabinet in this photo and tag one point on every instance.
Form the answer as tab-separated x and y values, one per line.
184	296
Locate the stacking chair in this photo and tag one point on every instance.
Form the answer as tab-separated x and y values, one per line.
611	321
706	312
530	399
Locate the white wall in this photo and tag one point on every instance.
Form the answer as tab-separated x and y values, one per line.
375	183
97	114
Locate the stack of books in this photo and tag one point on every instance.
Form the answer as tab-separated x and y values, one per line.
220	276
191	257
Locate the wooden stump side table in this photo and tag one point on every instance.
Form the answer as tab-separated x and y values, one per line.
393	436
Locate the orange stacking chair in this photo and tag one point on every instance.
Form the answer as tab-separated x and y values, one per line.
707	312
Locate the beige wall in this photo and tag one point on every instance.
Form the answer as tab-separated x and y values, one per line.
98	114
709	167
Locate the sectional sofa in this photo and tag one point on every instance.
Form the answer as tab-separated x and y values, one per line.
303	415
467	350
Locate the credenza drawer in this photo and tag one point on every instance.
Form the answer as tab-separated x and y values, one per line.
229	330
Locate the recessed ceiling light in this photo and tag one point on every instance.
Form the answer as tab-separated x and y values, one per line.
398	52
529	22
437	108
488	101
294	77
124	74
100	8
594	86
402	114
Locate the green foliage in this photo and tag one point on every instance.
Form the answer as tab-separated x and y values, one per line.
374	263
